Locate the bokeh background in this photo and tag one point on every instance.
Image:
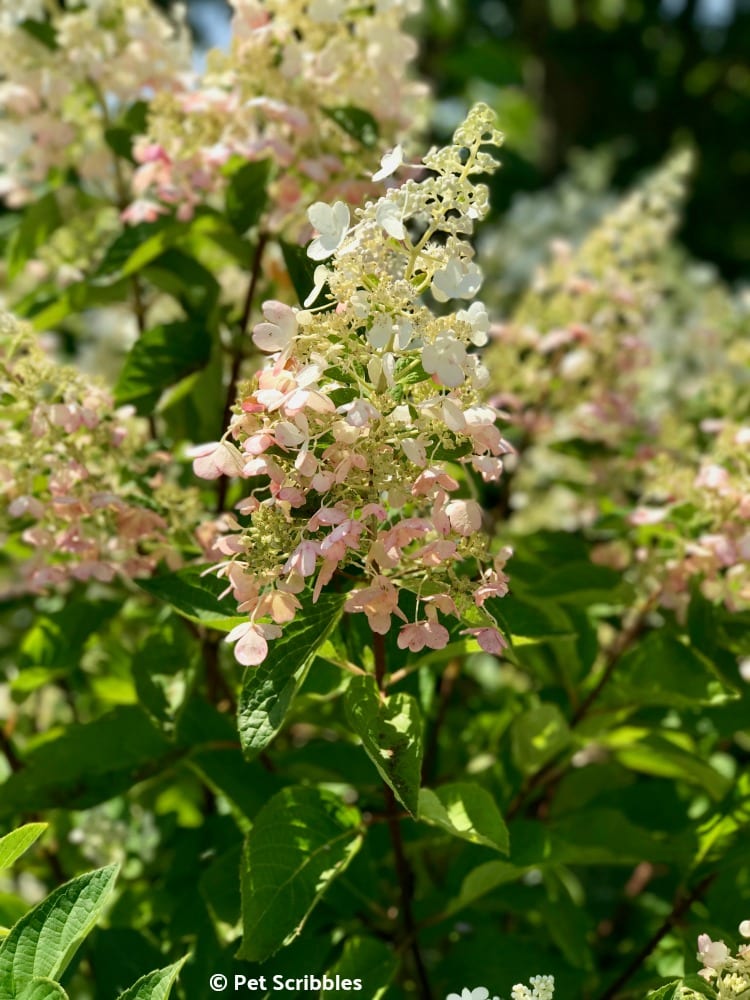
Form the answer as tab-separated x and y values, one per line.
625	80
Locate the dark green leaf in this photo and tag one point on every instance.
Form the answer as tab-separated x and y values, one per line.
300	842
87	763
482	880
599	836
40	219
526	619
391	732
368	960
301	269
43	31
268	690
119	137
537	736
465	810
160	357
667	992
661	670
195	594
357	123
581	581
182	276
651	753
140	245
246	194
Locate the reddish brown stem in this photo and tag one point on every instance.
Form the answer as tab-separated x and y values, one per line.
238	356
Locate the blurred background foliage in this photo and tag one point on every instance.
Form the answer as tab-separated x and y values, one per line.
632	78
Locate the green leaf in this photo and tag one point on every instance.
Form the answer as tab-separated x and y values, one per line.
43	989
661	670
580	581
357	123
368	960
301	269
160	357
525	619
119	137
219	886
185	278
651	753
269	689
40	220
601	836
193	408
482	880
300	842
196	597
391	732
156	235
16	843
88	763
154	985
42	31
246	194
667	992
537	736
82	295
568	922
467	811
44	941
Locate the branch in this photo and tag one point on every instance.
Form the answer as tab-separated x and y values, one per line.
7	748
681	906
625	639
447	684
621	645
238	356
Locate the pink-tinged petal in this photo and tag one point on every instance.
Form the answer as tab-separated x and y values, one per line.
269	338
417	635
465	516
216	459
251	647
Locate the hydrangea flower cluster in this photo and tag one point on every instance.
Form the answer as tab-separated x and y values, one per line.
575	357
695	521
353	437
542	988
518	245
85	496
299	78
65	74
729	975
575	343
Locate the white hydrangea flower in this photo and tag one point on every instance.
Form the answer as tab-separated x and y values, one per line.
389	163
445	358
543	988
477	318
391	218
332	224
279	331
480	993
457	280
320	277
326	11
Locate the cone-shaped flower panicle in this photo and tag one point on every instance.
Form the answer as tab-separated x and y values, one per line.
354	436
